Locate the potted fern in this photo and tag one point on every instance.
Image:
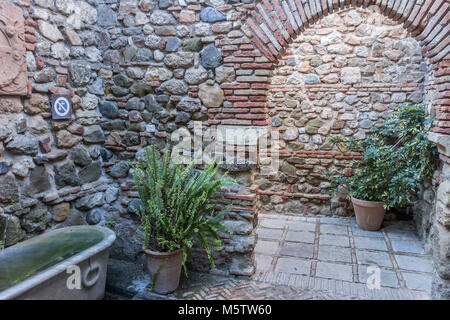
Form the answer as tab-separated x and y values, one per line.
175	207
397	157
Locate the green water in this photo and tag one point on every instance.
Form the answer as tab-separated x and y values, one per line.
22	261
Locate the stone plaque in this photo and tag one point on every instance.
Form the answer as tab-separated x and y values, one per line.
13	70
61	107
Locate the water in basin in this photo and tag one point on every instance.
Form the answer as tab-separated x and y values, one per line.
26	259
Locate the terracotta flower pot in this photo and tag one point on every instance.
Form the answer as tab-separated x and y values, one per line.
369	214
165	269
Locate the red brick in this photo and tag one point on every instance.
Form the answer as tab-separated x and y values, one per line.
62	70
251	116
279	10
29	89
443	102
256	30
263	50
443	116
308	13
268	5
247	47
241	197
258	98
256	66
260	86
442	72
236	98
249	104
30	39
325	6
234	110
239	60
59	90
247	54
30	30
258	110
260	123
235	86
442	124
301	11
30	23
224	116
442	130
257	17
61	81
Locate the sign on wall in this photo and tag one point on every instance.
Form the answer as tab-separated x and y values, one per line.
13	70
61	107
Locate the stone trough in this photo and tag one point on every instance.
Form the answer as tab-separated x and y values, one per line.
63	264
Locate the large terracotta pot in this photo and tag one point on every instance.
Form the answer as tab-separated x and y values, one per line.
165	269
369	214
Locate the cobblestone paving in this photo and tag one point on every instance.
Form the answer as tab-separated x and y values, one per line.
234	289
333	254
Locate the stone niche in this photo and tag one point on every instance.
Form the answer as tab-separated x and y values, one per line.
13	76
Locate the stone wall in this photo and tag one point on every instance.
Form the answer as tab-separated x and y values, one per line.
137	70
340	76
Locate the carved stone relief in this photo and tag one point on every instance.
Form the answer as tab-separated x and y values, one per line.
13	73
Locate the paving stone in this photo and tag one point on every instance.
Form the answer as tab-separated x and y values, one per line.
273	223
365	233
340	221
402	235
334	255
274	234
370	243
407	246
263	262
417	281
388	278
379	259
414	263
301	226
334	271
333	229
266	247
272	216
299	250
334	240
300	236
338	254
307	219
293	265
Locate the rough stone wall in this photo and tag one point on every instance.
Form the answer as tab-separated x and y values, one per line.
344	74
139	69
432	208
136	71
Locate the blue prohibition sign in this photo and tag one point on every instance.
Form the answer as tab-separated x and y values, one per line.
62	107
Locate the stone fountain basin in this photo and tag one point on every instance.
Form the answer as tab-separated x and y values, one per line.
63	264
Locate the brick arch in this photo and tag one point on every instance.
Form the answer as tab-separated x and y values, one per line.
271	25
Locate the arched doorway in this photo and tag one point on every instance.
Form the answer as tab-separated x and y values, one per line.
340	76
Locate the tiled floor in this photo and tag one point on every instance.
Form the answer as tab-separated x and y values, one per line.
302	258
335	252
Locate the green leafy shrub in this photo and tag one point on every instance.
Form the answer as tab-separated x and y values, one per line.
397	157
177	204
